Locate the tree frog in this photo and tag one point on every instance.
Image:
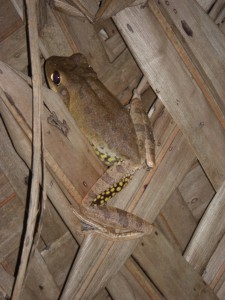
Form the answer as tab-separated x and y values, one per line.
123	140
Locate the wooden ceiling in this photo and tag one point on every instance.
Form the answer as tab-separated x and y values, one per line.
180	47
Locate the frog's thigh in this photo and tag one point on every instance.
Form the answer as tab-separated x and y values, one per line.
114	176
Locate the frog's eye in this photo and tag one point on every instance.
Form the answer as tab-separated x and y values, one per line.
55	77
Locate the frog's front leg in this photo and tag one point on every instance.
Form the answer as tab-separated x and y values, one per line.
117	220
143	128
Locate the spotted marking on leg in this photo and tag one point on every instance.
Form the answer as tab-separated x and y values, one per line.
105	196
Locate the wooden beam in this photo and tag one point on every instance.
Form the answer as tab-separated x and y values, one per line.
209	232
170	78
169	270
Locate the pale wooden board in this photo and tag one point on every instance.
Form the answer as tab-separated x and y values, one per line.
169	174
102	295
13	50
11	223
208	233
205	4
220	19
217	7
40	283
205	35
132	283
215	269
168	269
197	191
6	283
111	39
124	284
6	192
88	164
9	19
176	221
59	257
180	94
52	45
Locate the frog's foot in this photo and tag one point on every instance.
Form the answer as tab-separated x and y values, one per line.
116	222
110	233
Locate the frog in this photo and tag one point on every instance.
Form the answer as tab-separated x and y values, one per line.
121	138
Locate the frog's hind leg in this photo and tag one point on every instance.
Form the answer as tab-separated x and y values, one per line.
94	204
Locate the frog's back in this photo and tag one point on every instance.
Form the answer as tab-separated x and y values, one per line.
106	123
101	117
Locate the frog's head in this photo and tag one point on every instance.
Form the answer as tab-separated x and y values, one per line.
62	73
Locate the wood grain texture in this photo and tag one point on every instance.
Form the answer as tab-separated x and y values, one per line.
189	19
169	270
185	101
209	232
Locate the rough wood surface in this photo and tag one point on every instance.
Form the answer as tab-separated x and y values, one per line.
196	191
199	32
185	102
209	232
177	277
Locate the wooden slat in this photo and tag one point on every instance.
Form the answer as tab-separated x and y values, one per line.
59	257
13	50
9	20
208	233
165	70
168	270
199	32
216	9
196	191
39	282
126	284
205	4
177	227
215	268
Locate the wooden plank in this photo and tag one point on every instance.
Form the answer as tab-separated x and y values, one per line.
6	283
169	270
168	175
206	4
10	226
59	257
204	35
39	283
102	295
220	20
176	227
16	171
54	46
196	191
209	232
9	20
132	283
217	7
215	268
13	50
186	103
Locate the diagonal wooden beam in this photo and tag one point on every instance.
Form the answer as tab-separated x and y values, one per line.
172	81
